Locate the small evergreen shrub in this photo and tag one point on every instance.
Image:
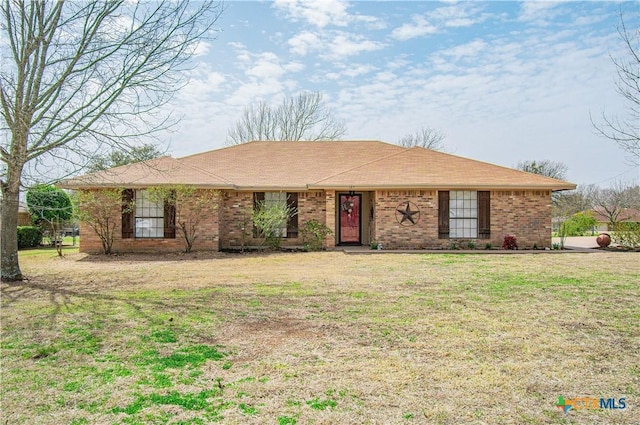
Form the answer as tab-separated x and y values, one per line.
313	234
29	236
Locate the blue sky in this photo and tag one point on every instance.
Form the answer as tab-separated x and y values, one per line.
505	81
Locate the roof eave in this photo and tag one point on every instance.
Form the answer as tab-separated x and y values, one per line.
442	187
90	186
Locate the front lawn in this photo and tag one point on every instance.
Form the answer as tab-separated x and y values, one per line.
320	338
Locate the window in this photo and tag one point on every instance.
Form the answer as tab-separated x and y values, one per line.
272	199
290	228
149	216
463	214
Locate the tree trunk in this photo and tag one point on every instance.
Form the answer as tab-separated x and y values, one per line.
9	206
9	235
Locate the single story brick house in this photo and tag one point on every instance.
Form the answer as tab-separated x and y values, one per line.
364	191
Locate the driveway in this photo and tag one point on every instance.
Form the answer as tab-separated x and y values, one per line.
578	242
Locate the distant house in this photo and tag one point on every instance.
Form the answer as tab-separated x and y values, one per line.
364	191
627	215
24	217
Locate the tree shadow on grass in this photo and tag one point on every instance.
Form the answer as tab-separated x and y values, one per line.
178	256
64	297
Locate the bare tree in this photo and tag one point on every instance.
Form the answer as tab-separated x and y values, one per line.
304	117
545	167
117	158
426	137
78	76
191	206
625	131
612	201
100	210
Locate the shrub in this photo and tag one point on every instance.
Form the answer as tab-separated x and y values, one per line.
29	236
471	245
313	235
627	234
487	245
577	224
271	221
509	242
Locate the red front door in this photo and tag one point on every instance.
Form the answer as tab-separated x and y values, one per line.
349	219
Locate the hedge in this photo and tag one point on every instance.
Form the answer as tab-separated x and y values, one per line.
29	236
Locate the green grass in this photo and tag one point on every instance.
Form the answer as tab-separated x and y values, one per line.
319	338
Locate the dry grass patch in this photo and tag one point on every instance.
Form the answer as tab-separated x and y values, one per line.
320	338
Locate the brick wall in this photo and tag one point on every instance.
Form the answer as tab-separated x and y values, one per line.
393	235
207	234
330	217
524	214
236	216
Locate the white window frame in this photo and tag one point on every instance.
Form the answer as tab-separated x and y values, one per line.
463	214
149	217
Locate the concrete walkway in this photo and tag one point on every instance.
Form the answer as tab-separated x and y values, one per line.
572	245
579	242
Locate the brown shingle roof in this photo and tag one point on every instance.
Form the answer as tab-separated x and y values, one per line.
159	171
331	165
423	168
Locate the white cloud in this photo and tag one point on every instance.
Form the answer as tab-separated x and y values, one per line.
332	45
350	71
418	28
303	43
433	22
539	12
344	45
267	75
202	48
468	50
319	12
323	13
266	66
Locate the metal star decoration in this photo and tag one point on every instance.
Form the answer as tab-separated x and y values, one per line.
406	215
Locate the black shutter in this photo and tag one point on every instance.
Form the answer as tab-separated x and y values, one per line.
258	199
443	214
292	224
170	216
127	214
484	215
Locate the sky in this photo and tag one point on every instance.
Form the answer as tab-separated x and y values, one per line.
504	81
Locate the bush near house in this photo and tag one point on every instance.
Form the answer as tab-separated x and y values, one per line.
29	236
510	242
578	224
627	234
313	234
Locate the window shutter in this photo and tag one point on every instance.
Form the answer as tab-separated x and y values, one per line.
258	199
292	224
170	217
443	214
127	215
484	215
